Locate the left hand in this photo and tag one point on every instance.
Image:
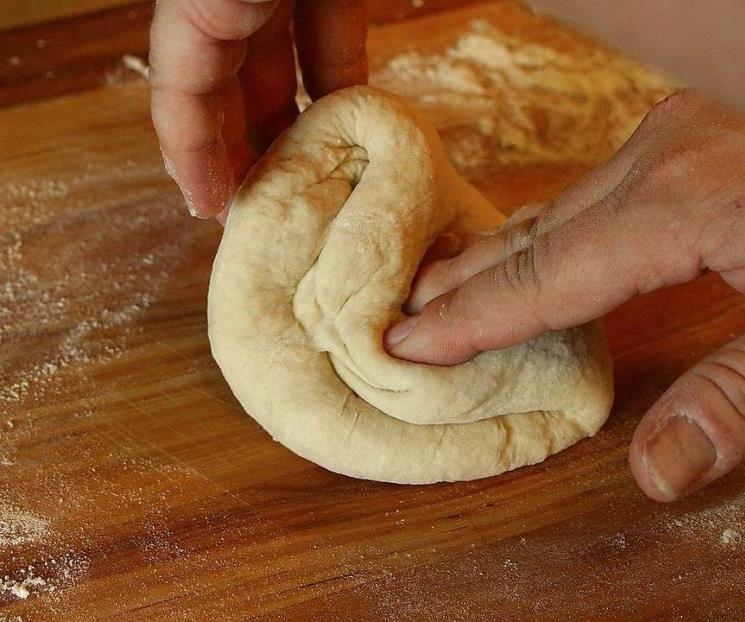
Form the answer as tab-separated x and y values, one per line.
223	80
667	207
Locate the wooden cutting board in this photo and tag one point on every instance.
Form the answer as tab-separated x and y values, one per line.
133	486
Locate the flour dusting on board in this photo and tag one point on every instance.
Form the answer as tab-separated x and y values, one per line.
21	588
23	536
18	527
731	537
499	100
571	569
85	291
50	577
88	251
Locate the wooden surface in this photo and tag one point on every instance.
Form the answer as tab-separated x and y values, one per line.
15	13
133	487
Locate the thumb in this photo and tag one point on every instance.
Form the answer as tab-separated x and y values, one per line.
695	433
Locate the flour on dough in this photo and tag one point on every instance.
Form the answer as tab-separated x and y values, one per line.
318	255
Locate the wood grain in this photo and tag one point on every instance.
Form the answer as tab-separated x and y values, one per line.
133	487
17	13
71	55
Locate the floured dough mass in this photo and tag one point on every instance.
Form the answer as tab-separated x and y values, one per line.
318	255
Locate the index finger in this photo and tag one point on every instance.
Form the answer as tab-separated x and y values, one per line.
571	274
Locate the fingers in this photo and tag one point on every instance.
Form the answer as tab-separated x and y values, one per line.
197	161
455	257
268	79
330	37
265	101
482	252
197	47
438	276
695	433
564	277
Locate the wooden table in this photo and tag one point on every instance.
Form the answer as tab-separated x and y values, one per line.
133	486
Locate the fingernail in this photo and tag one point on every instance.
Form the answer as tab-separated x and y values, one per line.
168	165
171	170
191	206
398	332
679	457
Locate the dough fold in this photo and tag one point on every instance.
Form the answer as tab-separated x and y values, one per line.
319	251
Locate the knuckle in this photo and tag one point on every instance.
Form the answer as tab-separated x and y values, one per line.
726	370
691	151
520	236
669	171
734	212
666	110
520	273
523	278
226	20
208	19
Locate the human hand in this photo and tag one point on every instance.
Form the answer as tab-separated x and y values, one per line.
222	74
667	207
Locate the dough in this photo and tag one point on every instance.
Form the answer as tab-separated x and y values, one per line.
318	255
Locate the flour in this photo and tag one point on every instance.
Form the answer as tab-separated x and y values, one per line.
19	527
730	537
21	534
500	100
22	588
83	324
50	576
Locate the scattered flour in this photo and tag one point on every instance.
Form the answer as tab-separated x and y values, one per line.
18	527
730	537
86	251
86	304
618	541
500	100
497	101
51	576
22	588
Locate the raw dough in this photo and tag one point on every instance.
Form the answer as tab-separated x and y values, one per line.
318	254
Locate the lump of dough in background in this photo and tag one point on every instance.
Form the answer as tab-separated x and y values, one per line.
319	251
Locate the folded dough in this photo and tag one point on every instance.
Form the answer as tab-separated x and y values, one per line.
318	255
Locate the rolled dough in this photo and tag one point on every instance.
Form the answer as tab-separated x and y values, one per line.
319	251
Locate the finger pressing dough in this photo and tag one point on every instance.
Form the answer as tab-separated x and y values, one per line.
319	251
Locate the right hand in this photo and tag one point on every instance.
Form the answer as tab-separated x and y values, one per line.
667	207
223	81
